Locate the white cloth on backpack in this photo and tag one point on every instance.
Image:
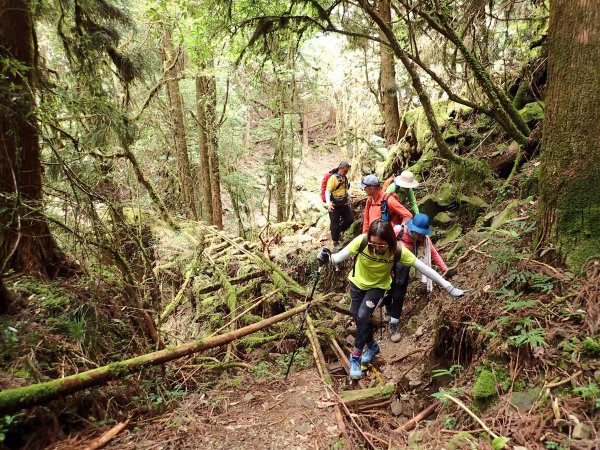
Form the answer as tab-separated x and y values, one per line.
426	259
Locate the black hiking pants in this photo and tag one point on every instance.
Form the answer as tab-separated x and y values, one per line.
341	218
362	305
394	298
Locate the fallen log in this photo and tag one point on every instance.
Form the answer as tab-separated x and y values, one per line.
103	440
317	352
363	397
23	397
325	375
418	418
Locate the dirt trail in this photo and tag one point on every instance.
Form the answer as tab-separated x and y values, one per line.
268	414
254	413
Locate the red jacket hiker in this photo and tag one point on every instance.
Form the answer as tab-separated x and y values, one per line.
398	213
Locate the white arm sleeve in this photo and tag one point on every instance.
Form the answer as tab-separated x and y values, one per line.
327	196
430	273
340	256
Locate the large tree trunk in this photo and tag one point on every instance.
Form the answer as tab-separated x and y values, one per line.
183	163
570	163
279	161
391	115
202	93
207	101
25	241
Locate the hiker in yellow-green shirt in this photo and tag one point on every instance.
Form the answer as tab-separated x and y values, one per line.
376	252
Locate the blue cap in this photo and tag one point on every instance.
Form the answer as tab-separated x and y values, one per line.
420	224
369	180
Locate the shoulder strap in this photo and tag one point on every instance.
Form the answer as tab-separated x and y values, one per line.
384	207
361	247
337	177
397	257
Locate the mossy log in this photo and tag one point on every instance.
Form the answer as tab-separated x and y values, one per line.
361	397
237	280
317	352
12	400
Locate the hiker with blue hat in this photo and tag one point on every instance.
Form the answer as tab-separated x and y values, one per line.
411	235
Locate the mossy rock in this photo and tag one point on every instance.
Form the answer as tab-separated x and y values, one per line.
442	218
451	235
438	201
451	134
524	400
532	112
424	162
485	385
462	440
473	200
508	213
444	111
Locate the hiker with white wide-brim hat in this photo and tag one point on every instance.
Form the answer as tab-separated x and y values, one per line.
402	186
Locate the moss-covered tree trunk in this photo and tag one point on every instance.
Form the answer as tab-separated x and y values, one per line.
178	124
202	91
391	115
207	102
569	213
25	241
444	150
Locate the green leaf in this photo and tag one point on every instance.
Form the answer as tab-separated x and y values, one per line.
500	442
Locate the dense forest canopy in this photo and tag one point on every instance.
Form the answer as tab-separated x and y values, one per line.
143	141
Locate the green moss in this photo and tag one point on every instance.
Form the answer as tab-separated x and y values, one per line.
451	133
451	235
532	112
442	218
462	440
591	346
443	111
118	369
485	385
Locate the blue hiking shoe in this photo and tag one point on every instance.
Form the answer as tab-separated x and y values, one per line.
368	356
355	370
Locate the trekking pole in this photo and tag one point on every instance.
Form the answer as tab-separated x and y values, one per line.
299	334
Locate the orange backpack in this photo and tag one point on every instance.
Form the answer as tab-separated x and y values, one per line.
387	183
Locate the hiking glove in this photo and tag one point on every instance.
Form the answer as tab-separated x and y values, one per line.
455	292
324	256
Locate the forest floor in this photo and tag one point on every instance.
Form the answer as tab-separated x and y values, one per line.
245	411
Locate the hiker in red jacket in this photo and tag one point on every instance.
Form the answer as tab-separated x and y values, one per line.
396	213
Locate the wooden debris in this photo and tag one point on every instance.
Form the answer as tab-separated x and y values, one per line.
412	423
103	440
23	397
325	375
366	397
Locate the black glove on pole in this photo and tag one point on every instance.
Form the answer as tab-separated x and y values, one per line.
299	335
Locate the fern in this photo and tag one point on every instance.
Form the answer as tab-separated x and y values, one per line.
517	305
